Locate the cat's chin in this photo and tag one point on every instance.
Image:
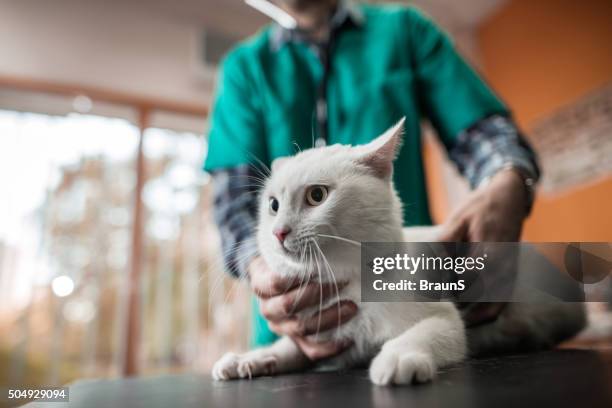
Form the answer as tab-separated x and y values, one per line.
293	258
298	254
284	263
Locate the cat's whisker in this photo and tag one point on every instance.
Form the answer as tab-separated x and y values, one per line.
233	288
350	241
301	287
233	249
262	166
335	282
321	292
313	120
308	270
219	265
297	146
234	284
252	186
320	303
259	180
247	193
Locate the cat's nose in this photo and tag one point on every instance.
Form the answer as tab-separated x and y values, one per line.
281	233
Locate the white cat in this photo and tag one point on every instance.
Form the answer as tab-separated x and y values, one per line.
347	192
309	201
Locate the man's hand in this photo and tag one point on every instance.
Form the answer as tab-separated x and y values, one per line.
494	213
280	299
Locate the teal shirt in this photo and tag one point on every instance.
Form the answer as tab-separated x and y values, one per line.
395	63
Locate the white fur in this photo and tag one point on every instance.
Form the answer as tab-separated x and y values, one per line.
405	342
412	340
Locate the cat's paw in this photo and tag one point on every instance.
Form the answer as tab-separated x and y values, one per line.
247	365
397	367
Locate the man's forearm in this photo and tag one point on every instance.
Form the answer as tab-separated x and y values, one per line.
235	212
491	145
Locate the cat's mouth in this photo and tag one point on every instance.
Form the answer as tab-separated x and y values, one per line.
295	250
286	250
291	251
292	255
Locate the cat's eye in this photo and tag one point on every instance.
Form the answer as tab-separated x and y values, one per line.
315	195
273	204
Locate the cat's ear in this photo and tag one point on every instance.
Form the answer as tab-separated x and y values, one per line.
379	154
277	163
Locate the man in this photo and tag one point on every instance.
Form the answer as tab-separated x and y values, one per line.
343	76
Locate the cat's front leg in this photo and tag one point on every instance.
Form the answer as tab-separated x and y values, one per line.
281	357
416	355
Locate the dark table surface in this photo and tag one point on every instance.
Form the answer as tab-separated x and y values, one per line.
560	378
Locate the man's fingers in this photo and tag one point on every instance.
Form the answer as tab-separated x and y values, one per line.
282	306
478	233
329	318
267	284
454	230
317	351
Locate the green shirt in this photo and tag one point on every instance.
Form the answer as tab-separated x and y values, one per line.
395	63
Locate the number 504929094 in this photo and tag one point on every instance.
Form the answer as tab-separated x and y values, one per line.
40	394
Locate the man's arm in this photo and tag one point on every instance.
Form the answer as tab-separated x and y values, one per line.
491	145
475	127
502	168
476	130
235	212
495	211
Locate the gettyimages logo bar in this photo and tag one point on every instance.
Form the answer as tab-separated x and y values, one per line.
486	272
413	264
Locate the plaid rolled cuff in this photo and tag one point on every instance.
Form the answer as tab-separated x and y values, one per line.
491	145
235	212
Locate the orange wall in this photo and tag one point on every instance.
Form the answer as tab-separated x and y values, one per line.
540	55
433	156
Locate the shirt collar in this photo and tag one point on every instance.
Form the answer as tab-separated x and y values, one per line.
346	13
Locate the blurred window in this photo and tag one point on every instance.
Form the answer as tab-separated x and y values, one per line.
68	179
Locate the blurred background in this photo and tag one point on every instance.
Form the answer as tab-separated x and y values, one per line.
109	259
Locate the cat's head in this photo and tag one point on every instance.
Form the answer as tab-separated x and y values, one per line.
341	191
